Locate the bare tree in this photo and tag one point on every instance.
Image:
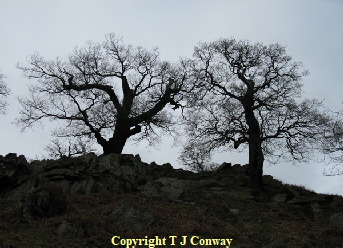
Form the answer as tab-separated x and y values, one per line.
69	147
250	94
105	92
197	158
4	92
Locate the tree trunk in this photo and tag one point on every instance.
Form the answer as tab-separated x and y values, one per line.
256	157
256	160
117	142
115	145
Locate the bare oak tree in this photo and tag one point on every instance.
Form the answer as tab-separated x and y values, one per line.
4	92
105	92
250	95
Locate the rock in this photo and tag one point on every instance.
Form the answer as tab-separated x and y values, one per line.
223	168
171	193
162	188
11	169
182	174
151	189
14	172
175	183
44	201
11	156
318	214
289	191
305	200
337	202
167	168
131	217
18	194
66	230
336	219
77	188
235	211
280	198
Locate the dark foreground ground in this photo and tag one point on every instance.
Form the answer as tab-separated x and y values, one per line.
249	221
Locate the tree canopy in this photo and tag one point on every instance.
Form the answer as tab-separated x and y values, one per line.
105	92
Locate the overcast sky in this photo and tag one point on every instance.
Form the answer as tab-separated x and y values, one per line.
312	30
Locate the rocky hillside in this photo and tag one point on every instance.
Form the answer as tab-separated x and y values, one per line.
120	201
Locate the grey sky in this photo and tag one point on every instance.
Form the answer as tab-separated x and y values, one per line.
311	30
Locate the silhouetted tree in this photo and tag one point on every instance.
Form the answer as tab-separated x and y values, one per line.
197	158
108	92
4	92
250	94
69	147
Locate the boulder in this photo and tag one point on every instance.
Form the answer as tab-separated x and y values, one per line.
14	171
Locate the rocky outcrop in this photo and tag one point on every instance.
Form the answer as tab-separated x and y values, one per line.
36	185
82	175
